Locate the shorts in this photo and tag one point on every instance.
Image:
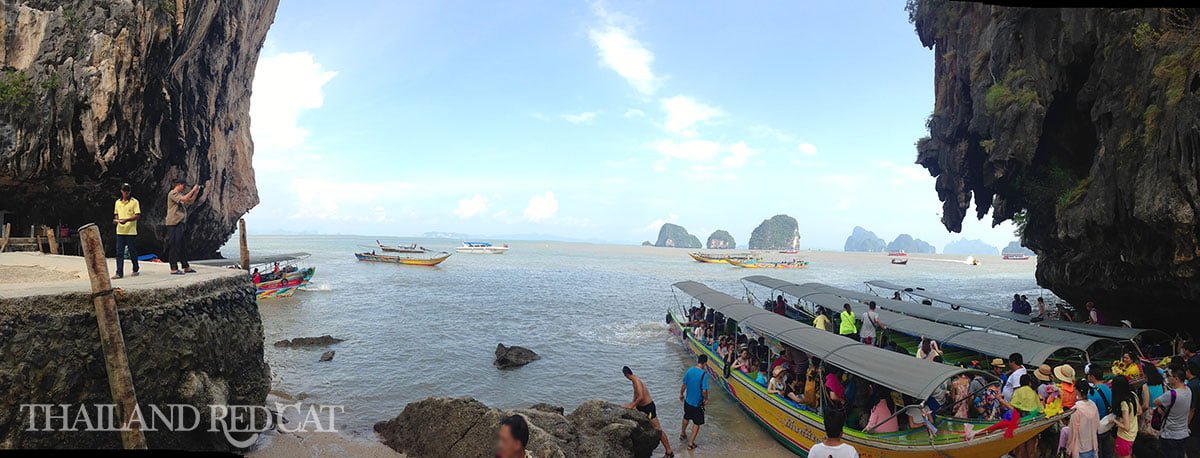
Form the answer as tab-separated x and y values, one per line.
1088	454
649	409
694	414
1123	447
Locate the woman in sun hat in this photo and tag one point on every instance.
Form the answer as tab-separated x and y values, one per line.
1066	385
1048	392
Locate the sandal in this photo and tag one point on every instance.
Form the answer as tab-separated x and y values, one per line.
189	270
692	446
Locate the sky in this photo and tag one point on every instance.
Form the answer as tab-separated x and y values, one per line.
595	120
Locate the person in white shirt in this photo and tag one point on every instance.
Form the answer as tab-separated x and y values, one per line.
871	327
1016	362
833	447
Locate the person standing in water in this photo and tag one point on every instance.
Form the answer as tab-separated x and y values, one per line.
642	402
126	213
694	396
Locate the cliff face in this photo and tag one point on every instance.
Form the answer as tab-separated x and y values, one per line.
908	244
780	232
95	93
1081	126
863	240
721	240
674	235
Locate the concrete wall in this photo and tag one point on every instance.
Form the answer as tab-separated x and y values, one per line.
199	344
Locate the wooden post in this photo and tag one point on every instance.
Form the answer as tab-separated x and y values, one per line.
52	239
120	381
4	237
37	238
245	250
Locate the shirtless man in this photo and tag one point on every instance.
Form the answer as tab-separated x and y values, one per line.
643	403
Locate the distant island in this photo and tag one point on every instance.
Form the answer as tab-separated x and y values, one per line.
1014	247
780	232
965	246
908	244
674	235
721	240
863	240
647	243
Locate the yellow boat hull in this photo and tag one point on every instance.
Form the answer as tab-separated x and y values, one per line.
799	430
703	258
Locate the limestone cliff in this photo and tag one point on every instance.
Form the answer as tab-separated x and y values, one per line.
94	93
1014	247
1080	125
780	232
861	239
721	240
908	244
674	235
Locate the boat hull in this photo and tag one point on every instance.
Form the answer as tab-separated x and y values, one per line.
482	250
427	262
799	430
276	292
770	265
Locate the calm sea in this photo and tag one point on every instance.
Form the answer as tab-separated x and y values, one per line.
414	332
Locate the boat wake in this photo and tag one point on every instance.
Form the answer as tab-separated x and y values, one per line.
628	334
317	287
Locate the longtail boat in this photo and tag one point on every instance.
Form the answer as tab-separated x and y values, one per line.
793	264
958	345
1148	344
1014	256
275	292
410	261
722	258
410	248
798	427
900	261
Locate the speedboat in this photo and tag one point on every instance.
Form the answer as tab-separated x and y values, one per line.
897	253
481	248
1015	256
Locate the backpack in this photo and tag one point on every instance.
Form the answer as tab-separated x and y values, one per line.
1160	415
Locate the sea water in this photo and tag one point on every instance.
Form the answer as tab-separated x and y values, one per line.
588	309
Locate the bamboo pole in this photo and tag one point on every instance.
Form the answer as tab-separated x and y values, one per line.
120	381
245	250
52	240
37	238
4	239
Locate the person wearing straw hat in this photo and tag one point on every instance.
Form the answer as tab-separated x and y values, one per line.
1048	392
1065	375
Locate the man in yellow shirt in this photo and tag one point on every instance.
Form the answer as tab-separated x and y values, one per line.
126	213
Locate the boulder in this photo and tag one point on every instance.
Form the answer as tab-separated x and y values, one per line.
465	427
674	235
780	232
863	240
514	356
327	356
322	341
721	240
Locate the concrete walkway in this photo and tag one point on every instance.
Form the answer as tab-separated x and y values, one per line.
36	274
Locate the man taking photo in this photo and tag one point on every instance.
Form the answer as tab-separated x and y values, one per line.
177	203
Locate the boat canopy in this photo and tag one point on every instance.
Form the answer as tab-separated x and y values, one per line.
255	260
995	345
478	243
1111	332
956	318
914	377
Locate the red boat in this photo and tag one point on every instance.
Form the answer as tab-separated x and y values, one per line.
897	253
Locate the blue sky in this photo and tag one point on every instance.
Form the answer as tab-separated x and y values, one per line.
595	120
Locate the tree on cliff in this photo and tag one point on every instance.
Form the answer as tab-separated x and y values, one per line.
674	235
780	232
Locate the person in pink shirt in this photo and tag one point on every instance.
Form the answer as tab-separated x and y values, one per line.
882	420
1084	426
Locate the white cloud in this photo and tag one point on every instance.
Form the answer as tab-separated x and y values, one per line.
323	199
541	207
689	150
683	113
634	113
904	173
285	86
738	154
626	56
807	149
580	118
471	206
771	132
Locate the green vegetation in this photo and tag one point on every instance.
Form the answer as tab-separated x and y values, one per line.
1020	220
1001	95
1145	36
987	145
16	90
1150	121
1071	196
168	6
1171	73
